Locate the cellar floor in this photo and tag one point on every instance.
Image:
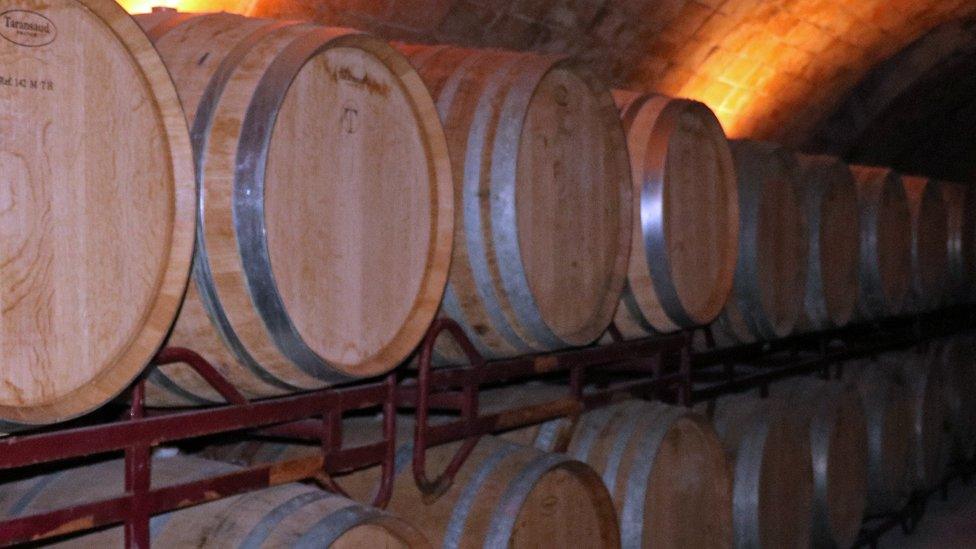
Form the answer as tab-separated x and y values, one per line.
947	524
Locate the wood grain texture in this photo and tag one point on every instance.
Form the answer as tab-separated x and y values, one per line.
542	198
729	329
930	243
283	516
920	373
771	269
664	465
885	271
833	416
772	472
96	212
960	202
829	198
888	411
505	495
685	215
326	205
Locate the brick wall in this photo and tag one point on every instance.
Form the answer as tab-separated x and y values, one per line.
771	68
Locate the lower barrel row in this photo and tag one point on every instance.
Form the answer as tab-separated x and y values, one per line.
802	467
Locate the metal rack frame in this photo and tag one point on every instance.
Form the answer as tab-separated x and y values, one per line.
908	517
317	415
756	365
660	365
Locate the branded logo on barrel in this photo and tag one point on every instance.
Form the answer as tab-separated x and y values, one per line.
27	28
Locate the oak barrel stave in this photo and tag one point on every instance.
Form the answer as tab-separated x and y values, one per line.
888	412
504	495
829	198
291	281
770	273
960	203
542	195
921	374
662	464
685	215
929	244
97	232
288	515
885	268
772	472
833	415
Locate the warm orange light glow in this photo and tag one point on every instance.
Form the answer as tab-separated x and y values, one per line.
737	89
750	96
759	72
729	118
243	7
774	70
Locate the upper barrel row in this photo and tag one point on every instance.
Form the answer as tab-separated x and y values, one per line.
341	191
841	244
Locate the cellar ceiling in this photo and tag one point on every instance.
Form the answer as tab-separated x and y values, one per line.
783	70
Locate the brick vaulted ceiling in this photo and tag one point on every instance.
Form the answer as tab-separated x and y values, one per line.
771	69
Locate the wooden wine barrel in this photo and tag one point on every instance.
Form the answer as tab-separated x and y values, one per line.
888	412
922	376
663	465
929	244
770	274
326	213
289	515
685	215
720	339
829	197
885	269
96	207
956	358
505	495
543	199
960	202
833	415
772	473
730	328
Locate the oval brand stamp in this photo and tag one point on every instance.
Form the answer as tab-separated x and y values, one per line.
27	28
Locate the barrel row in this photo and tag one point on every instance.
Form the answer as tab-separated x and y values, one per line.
823	244
939	381
504	495
494	184
328	194
289	515
804	464
800	468
650	466
485	185
664	465
816	457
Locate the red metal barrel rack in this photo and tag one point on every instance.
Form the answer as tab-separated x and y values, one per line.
661	366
